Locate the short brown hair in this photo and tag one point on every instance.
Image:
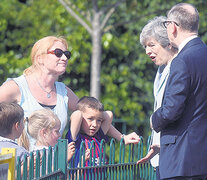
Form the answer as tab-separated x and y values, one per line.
10	113
89	102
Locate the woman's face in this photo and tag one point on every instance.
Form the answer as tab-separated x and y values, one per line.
53	64
156	52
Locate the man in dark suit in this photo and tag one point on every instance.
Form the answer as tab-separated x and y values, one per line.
182	118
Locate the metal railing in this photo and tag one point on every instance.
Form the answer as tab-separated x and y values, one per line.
120	164
45	164
121	167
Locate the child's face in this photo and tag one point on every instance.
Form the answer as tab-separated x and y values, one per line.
53	135
91	122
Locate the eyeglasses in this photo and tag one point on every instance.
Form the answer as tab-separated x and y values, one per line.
58	52
166	23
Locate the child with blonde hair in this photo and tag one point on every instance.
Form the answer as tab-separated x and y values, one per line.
44	126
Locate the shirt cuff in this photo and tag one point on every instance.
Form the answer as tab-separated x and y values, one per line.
151	122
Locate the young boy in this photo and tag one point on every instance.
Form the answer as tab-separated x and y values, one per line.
11	127
89	122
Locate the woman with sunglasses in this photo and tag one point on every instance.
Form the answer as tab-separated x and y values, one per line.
38	87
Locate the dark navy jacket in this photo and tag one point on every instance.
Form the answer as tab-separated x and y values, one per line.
182	118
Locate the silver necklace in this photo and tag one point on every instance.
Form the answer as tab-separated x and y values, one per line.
48	93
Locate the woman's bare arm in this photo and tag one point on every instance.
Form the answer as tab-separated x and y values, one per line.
9	92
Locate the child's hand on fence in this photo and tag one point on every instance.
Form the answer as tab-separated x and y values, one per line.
71	150
131	138
155	149
87	154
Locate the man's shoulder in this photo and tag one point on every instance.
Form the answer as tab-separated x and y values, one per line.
192	46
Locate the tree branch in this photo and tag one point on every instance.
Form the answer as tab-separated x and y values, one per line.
106	8
95	6
131	20
110	12
81	21
85	14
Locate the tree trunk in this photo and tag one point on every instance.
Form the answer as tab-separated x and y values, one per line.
96	58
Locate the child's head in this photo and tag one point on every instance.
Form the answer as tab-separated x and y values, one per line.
11	120
43	125
92	113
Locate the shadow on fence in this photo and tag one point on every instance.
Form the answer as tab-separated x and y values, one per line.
54	165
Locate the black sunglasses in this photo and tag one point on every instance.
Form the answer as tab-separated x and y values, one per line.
58	52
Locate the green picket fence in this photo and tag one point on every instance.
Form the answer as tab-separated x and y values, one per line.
50	164
54	165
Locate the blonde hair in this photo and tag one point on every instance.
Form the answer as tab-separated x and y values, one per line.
41	47
39	119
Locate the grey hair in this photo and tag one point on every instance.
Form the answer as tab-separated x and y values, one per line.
156	30
187	19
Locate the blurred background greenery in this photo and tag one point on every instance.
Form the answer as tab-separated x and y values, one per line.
126	73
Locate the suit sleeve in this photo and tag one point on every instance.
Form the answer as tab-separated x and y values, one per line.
175	97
